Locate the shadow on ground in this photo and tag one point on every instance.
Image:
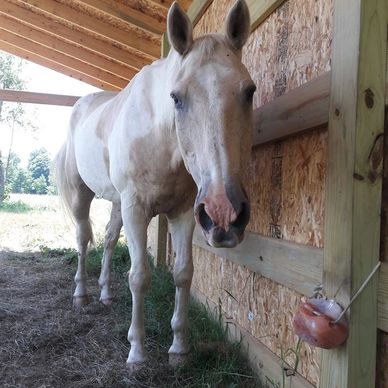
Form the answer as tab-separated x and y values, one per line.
45	343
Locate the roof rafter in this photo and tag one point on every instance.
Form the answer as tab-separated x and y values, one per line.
152	19
78	37
62	46
55	56
126	33
55	66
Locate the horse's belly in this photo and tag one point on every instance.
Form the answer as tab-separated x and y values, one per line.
93	166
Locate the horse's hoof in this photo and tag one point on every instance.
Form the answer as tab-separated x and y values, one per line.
133	367
176	359
80	301
107	302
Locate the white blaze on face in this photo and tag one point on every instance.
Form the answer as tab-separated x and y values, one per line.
212	96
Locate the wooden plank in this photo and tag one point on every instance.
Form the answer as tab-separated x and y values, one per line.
382	321
165	46
66	47
353	184
267	364
296	266
139	16
127	34
37	98
166	4
161	238
62	59
300	109
55	66
261	9
78	37
197	9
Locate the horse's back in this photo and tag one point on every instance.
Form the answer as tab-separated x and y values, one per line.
90	144
87	105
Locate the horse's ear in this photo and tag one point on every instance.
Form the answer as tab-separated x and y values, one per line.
180	29
238	25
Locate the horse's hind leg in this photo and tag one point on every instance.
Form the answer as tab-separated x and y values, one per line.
80	207
112	233
181	228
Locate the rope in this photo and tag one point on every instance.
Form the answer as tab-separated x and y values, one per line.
354	297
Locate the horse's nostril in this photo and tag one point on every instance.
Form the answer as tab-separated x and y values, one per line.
203	218
219	235
243	217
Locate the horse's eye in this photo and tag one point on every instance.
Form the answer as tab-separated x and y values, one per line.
249	92
177	101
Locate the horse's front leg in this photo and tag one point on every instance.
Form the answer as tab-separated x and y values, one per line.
181	228
135	226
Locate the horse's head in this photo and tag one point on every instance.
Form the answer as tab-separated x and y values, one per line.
212	93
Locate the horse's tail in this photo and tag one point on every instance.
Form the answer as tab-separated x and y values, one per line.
64	185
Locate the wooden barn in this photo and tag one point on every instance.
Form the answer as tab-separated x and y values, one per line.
317	181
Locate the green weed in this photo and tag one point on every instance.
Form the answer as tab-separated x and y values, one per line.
14	207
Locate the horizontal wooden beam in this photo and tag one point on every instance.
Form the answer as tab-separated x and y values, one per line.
65	47
61	59
197	9
300	109
125	33
55	66
295	266
261	9
185	4
267	364
37	98
143	16
80	38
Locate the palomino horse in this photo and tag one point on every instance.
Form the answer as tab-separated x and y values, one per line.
183	125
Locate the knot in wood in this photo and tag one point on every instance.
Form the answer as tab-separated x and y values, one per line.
369	98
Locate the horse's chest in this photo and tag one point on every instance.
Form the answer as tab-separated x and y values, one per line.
168	191
163	186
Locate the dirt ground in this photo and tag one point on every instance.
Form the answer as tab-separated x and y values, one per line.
43	341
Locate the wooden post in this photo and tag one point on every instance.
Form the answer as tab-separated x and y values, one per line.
165	46
161	240
353	192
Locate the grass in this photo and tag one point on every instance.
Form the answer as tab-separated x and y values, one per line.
213	363
44	342
14	207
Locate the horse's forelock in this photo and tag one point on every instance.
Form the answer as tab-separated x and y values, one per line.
205	47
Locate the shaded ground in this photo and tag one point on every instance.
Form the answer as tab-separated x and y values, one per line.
45	343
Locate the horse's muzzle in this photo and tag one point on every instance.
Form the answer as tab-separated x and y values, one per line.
223	214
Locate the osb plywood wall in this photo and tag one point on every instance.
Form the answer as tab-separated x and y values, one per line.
285	180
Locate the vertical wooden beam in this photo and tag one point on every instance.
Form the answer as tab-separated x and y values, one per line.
161	238
353	193
165	46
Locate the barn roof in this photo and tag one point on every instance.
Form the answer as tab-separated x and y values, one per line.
101	42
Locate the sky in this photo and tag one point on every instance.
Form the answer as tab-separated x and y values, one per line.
51	120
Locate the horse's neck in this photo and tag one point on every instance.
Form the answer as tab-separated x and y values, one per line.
163	75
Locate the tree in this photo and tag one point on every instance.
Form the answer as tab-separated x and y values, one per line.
10	70
2	180
12	114
39	164
13	162
40	185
